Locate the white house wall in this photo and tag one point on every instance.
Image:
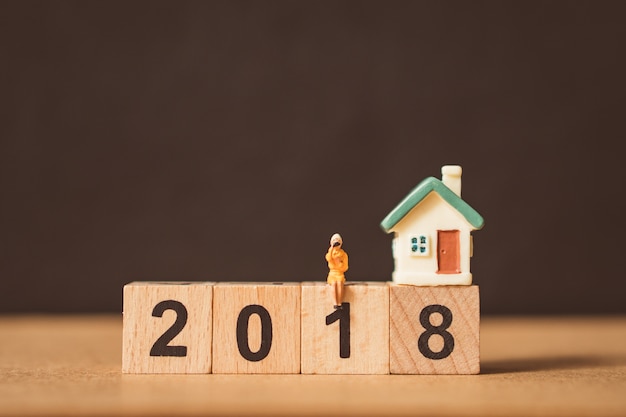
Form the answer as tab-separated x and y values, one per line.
430	215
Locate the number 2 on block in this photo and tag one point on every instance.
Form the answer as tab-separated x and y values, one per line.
343	315
161	347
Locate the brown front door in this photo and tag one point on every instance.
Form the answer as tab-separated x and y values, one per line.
448	250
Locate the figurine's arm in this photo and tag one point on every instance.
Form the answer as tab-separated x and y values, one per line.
333	258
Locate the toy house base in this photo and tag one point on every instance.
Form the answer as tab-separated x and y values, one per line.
430	279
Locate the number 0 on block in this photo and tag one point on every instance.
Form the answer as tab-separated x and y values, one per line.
256	328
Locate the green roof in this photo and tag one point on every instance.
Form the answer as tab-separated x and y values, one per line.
420	192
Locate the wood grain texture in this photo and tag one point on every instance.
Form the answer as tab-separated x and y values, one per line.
369	329
407	303
539	366
282	302
142	329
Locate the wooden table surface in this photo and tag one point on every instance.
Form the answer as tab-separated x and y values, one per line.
70	365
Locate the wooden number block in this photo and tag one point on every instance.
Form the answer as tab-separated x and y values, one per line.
256	328
434	330
353	340
167	327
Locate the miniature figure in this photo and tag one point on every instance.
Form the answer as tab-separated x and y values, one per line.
337	260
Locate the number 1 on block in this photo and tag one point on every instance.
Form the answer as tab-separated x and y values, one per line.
351	340
343	315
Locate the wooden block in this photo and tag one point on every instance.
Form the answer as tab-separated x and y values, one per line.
256	328
357	343
434	330
167	327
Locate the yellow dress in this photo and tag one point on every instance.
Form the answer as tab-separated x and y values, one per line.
337	260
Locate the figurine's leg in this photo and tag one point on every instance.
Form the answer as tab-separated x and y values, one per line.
336	298
331	287
339	291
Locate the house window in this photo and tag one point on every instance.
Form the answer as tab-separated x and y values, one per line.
420	245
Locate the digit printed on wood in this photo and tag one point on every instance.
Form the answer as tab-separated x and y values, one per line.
167	327
434	330
353	340
256	328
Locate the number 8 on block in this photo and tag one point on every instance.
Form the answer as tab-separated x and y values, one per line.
434	330
167	328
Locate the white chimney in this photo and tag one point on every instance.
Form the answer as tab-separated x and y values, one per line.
451	177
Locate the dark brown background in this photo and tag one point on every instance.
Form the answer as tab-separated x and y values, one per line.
229	140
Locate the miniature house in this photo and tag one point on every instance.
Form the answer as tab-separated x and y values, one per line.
432	228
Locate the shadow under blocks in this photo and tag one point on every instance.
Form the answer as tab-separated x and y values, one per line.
552	363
